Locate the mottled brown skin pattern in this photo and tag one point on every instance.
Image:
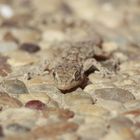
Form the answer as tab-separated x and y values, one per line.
76	59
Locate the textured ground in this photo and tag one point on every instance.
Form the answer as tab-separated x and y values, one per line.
32	107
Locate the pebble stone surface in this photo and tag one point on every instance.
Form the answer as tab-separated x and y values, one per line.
103	108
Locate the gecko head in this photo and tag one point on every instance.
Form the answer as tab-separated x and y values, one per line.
68	76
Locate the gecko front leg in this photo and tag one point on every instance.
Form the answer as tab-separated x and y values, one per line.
91	65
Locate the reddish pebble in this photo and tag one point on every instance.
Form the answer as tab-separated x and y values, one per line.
35	104
29	47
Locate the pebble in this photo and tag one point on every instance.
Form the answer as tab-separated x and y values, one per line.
34	96
120	122
26	35
7	46
77	97
59	112
116	94
90	110
50	91
55	129
111	105
90	89
29	47
20	58
91	131
24	116
14	86
125	134
35	104
16	128
96	78
8	102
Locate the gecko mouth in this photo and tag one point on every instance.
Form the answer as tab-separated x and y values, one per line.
69	88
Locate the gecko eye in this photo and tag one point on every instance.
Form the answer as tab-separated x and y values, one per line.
77	75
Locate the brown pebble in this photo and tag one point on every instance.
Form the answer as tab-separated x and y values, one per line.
55	129
30	47
7	101
60	113
35	104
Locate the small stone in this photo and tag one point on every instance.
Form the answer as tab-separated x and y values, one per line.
50	91
61	113
14	86
92	87
55	129
109	46
96	78
90	110
35	104
91	131
8	102
116	94
123	134
77	97
17	128
7	46
21	58
24	98
24	116
29	47
113	106
120	122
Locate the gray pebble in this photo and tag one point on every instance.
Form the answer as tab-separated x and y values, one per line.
116	94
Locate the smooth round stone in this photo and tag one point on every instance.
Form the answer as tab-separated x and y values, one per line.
63	114
54	129
92	87
8	102
134	104
50	91
14	86
77	97
111	105
53	35
19	58
91	131
69	136
125	82
7	46
120	122
96	78
35	104
26	35
16	128
110	46
134	89
24	116
29	47
34	96
95	119
116	94
130	67
125	134
90	110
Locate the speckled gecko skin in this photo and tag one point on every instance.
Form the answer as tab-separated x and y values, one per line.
77	58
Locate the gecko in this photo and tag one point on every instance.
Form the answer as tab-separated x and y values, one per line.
76	59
